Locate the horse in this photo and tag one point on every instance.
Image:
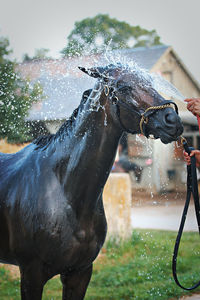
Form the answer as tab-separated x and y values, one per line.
52	218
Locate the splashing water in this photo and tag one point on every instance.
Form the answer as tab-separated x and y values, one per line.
62	84
146	79
164	86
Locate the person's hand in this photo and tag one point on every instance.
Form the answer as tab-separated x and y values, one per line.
187	157
193	105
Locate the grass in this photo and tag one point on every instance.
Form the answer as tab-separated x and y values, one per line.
139	268
9	288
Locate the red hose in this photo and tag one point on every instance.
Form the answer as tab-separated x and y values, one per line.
198	119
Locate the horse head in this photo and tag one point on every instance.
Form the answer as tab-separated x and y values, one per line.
139	107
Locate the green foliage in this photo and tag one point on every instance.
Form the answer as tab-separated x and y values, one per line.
16	98
93	34
139	268
41	53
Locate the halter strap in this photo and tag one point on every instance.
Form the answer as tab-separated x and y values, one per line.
144	117
151	110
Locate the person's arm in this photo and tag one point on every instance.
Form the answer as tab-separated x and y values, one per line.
193	105
187	157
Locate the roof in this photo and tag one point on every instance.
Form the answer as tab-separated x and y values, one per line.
145	57
63	83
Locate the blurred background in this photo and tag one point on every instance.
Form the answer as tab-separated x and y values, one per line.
42	43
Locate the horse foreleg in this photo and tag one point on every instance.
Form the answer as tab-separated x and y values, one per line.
33	280
75	284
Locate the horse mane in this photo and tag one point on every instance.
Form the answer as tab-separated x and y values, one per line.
66	127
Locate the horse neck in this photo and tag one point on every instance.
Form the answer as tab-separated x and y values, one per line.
91	152
96	124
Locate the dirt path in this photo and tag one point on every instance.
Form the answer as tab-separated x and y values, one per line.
193	297
161	211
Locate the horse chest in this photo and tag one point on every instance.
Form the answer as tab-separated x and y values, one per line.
85	245
76	252
72	244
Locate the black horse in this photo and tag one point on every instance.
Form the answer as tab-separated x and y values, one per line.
52	218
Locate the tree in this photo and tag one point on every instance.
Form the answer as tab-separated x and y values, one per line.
94	34
16	98
39	54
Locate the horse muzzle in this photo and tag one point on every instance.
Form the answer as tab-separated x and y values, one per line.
164	124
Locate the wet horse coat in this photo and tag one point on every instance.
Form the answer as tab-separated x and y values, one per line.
52	218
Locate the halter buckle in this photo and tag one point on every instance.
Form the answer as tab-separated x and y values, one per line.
106	90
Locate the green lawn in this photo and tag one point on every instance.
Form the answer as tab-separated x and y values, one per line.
139	268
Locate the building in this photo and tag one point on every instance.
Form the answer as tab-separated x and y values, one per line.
64	83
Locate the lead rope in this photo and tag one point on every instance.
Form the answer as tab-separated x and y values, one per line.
192	189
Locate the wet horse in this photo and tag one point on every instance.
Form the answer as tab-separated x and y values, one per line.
52	217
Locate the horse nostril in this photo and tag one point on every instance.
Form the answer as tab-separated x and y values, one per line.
170	118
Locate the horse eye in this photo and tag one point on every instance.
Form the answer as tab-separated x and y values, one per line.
125	89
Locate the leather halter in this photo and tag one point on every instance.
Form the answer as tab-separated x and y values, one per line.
144	117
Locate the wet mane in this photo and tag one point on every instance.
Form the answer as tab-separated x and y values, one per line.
66	127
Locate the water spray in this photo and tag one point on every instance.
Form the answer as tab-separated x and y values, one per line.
164	86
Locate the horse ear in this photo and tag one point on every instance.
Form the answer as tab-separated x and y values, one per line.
93	72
